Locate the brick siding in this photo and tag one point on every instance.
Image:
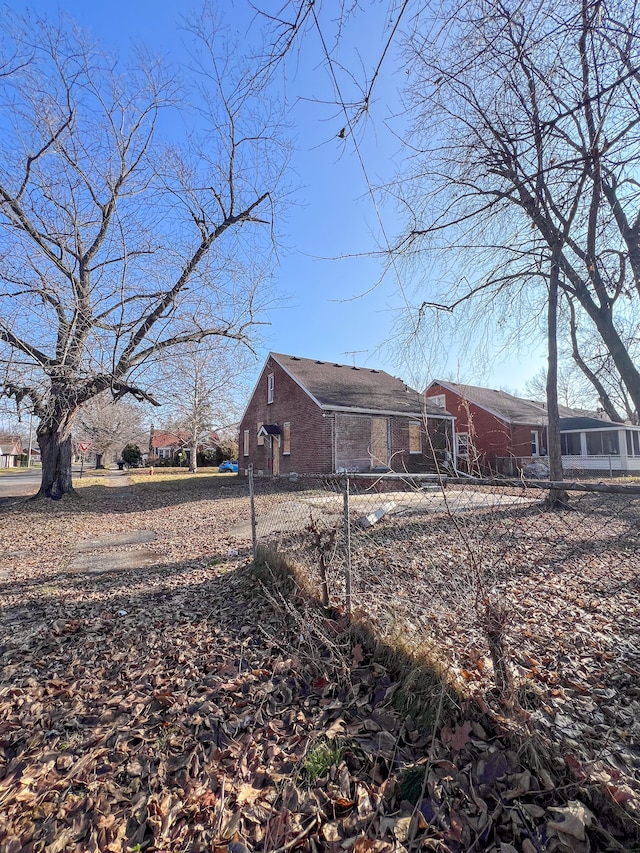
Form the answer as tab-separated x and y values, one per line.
497	443
311	431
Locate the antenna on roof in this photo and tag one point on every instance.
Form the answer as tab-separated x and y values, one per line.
353	353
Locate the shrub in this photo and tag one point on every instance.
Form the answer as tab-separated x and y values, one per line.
132	455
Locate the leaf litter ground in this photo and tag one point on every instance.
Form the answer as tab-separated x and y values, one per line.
176	705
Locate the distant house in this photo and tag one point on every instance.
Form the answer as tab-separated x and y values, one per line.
165	445
307	416
10	450
498	432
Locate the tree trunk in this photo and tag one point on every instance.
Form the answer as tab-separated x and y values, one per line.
557	498
56	464
193	458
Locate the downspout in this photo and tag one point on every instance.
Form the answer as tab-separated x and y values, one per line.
334	442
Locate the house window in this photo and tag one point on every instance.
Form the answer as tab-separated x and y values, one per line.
415	437
633	443
570	444
438	400
270	383
603	443
286	439
164	453
246	442
535	442
462	444
260	437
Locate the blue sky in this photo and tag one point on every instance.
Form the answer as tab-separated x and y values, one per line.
333	216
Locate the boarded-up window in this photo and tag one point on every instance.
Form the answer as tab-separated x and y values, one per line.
415	437
286	439
246	442
379	442
260	437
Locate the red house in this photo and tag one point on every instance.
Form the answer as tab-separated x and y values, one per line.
494	431
307	416
165	445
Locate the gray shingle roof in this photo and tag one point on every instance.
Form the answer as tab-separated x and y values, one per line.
516	410
512	409
340	386
576	423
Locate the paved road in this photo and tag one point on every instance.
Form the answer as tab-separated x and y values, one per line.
20	478
26	481
23	483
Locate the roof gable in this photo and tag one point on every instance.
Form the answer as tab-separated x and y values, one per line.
344	387
10	444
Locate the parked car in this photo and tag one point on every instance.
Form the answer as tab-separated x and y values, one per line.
229	466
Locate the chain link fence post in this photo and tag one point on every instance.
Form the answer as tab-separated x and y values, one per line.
254	537
347	545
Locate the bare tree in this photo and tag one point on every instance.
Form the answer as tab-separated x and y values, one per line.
113	248
200	383
598	367
573	389
527	124
108	426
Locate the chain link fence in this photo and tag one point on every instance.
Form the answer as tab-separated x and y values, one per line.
513	598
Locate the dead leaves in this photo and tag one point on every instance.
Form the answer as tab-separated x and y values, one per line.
573	819
173	707
458	738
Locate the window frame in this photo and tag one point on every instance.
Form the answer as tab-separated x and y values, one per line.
535	442
463	453
286	438
439	400
601	443
270	388
245	443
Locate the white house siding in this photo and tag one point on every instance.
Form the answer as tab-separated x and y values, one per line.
620	462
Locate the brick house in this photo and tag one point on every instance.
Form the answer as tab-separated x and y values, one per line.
165	444
307	416
494	431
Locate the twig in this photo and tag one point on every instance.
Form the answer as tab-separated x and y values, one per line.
294	841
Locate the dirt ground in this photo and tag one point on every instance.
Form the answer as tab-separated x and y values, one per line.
157	693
